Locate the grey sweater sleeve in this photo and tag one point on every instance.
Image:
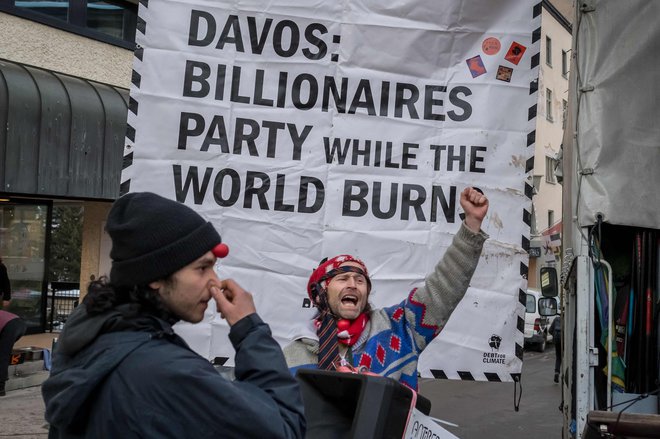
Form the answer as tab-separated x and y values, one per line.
446	285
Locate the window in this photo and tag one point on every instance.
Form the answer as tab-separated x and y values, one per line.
550	164
548	104
110	21
551	218
548	51
530	305
55	8
564	113
533	229
536	182
23	247
564	63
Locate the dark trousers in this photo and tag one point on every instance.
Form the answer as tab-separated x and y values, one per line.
12	331
557	342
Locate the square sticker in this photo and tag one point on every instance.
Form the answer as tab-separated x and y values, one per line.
515	53
504	73
476	66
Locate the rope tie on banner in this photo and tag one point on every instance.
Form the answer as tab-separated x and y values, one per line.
516	397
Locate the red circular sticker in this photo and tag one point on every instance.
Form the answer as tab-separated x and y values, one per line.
491	46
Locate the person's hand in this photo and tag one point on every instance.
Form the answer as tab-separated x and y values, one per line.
475	206
5	304
233	302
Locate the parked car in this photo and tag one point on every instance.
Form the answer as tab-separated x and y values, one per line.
539	313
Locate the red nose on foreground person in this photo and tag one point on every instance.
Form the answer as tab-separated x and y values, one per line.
386	341
118	358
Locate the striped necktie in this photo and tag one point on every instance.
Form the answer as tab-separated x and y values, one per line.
328	347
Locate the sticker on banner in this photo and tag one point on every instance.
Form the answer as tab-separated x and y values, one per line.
476	66
491	46
494	357
515	53
504	73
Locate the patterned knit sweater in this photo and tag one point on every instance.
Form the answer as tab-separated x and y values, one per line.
394	337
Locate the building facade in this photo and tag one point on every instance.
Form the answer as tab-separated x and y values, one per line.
65	69
552	106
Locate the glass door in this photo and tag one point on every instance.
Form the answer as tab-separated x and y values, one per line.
24	236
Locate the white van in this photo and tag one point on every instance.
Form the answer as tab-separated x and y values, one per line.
538	319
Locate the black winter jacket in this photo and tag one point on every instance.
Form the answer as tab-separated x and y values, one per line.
145	382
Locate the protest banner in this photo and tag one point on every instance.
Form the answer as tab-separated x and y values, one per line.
305	130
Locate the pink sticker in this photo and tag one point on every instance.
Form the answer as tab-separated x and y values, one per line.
491	46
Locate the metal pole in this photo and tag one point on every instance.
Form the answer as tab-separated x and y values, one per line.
610	321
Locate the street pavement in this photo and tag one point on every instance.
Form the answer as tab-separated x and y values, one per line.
486	410
22	414
480	409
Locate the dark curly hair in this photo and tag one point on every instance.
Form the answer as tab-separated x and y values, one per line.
103	296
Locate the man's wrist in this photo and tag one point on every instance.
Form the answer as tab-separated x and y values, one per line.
473	224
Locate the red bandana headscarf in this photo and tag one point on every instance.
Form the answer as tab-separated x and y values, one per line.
327	266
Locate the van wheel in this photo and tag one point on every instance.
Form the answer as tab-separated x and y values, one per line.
541	346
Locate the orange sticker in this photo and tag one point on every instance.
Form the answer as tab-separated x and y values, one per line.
491	46
515	53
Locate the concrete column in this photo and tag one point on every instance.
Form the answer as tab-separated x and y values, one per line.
93	263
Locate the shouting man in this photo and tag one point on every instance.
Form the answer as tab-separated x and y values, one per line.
386	341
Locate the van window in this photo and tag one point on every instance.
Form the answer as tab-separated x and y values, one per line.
530	306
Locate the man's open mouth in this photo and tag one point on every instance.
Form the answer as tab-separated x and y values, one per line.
349	299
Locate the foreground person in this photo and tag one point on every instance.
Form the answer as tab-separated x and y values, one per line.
120	371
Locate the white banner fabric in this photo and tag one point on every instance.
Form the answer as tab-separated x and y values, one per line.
304	129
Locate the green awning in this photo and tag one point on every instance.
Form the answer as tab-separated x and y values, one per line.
60	135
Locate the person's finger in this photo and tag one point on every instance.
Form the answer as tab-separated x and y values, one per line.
231	285
232	289
219	296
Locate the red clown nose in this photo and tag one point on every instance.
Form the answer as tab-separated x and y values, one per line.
221	250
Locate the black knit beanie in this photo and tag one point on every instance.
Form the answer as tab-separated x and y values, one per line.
153	237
